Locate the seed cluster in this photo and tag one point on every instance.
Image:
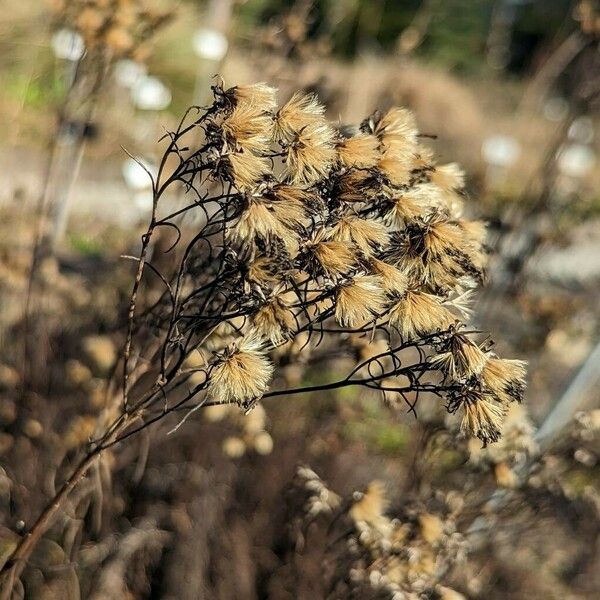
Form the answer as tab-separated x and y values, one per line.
375	550
314	235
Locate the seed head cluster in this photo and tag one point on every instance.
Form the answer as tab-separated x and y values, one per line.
318	234
375	550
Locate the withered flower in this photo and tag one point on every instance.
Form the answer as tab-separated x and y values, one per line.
243	373
359	301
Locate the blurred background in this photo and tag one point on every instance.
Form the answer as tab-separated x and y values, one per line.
509	89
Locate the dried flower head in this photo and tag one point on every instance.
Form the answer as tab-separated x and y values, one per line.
370	237
359	301
505	378
247	128
274	320
299	112
461	358
120	27
245	169
311	154
393	281
360	151
483	417
260	220
377	553
418	313
260	96
335	259
243	373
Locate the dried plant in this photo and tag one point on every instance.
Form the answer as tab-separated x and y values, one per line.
119	27
299	239
373	550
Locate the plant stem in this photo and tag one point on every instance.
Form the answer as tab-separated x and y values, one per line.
14	566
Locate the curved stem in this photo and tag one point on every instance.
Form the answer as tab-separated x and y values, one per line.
17	561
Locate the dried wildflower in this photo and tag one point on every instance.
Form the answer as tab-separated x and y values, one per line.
334	258
406	207
360	151
242	374
244	169
299	112
448	178
311	154
383	243
259	220
442	237
397	171
397	126
482	418
462	358
475	231
370	505
358	185
368	236
404	554
120	27
274	320
309	233
516	444
359	301
263	271
505	379
418	313
247	128
291	204
314	496
393	281
260	96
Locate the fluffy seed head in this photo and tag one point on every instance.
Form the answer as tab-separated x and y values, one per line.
244	169
258	95
358	185
290	204
396	170
448	177
360	151
259	220
359	301
398	132
263	272
300	111
505	378
247	128
335	258
393	281
407	207
368	236
243	374
462	360
418	313
274	321
311	155
483	418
